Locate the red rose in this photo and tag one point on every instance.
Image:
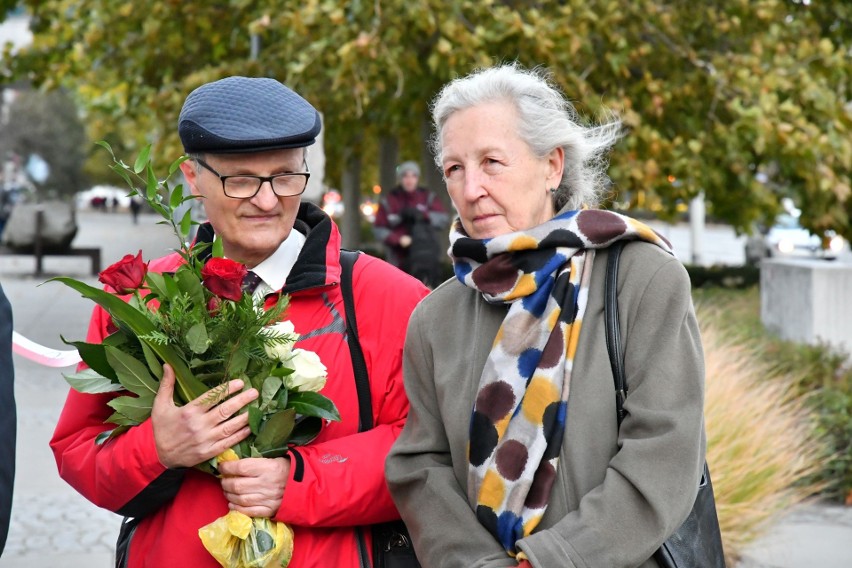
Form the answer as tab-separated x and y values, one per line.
224	278
126	275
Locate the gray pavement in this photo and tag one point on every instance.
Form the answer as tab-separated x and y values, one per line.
54	526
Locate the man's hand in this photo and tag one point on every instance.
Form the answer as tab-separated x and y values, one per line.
405	241
188	435
255	486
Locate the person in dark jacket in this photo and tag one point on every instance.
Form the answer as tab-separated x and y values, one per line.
406	223
247	140
7	418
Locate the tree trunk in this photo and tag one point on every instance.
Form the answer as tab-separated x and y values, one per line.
388	157
431	176
434	180
351	186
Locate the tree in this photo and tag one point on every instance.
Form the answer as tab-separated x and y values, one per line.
746	101
46	125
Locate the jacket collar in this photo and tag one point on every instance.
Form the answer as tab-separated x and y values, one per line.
318	264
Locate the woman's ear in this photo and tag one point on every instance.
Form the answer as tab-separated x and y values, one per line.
555	166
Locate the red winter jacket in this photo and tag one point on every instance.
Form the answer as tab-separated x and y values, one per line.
336	482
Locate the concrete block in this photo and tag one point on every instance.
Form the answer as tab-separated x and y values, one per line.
808	301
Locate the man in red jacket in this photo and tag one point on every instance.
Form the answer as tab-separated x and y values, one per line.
247	138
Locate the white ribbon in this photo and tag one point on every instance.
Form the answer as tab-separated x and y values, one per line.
41	354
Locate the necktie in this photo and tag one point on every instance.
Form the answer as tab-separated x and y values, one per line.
250	282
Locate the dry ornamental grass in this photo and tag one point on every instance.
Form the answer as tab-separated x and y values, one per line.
760	440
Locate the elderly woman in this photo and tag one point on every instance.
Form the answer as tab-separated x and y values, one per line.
512	455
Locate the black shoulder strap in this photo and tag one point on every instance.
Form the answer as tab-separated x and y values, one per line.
613	336
359	366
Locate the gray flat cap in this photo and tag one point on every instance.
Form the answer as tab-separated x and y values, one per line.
243	114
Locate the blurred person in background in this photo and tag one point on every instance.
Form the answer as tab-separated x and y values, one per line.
406	223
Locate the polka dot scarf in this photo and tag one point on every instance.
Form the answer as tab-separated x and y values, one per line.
519	415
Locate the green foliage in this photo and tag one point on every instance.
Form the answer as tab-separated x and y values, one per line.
823	377
713	93
833	407
723	276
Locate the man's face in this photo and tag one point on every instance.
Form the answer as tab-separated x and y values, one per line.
409	181
251	229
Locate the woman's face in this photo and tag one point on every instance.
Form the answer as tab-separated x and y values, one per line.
496	183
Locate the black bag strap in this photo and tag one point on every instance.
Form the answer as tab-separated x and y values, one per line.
613	335
359	368
359	365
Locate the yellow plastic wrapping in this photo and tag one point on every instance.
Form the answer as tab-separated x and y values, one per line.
239	541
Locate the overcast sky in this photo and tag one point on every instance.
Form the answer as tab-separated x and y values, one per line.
16	30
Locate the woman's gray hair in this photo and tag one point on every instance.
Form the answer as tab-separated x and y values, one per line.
546	121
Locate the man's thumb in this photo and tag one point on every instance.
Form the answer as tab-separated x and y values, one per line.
167	383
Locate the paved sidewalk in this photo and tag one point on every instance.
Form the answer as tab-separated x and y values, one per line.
53	526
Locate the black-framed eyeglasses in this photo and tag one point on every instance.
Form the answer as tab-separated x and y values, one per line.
246	186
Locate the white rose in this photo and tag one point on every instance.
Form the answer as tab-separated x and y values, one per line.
281	350
309	373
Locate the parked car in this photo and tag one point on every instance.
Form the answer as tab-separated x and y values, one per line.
787	238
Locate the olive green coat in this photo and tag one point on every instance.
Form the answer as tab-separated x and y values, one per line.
617	495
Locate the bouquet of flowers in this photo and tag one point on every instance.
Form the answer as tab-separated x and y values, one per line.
200	322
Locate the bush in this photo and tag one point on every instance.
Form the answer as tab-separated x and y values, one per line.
761	447
723	276
822	378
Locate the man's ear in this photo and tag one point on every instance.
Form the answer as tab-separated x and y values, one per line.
190	172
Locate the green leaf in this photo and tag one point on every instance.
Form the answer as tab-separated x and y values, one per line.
255	417
151	187
276	431
110	434
189	284
120	419
132	373
142	159
176	164
263	541
175	197
237	364
171	286
306	431
117	339
94	355
186	223
188	387
122	173
157	283
218	247
136	409
269	389
90	382
313	404
153	363
281	371
105	144
283	396
197	338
